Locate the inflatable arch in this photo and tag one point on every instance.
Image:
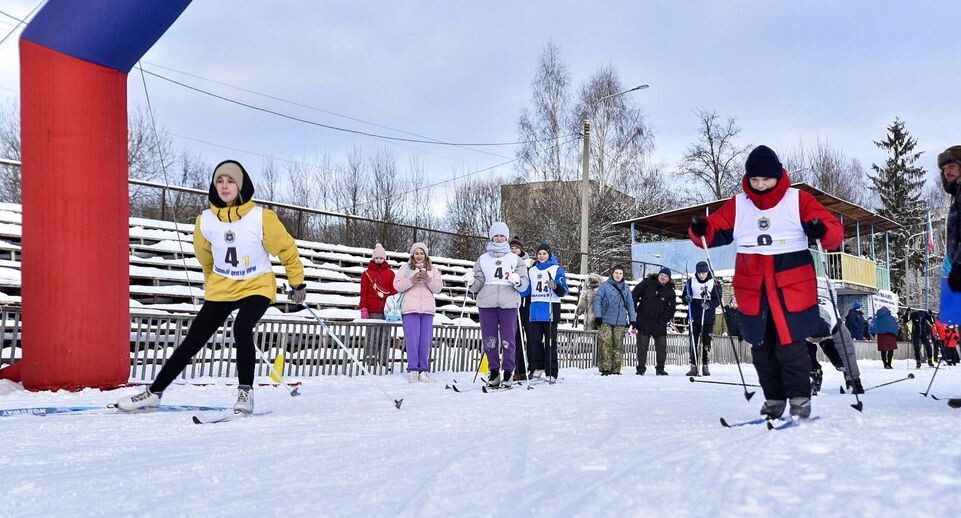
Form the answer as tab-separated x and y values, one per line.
74	60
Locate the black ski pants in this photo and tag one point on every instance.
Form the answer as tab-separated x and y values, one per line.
542	345
783	370
918	342
211	315
660	351
813	354
701	336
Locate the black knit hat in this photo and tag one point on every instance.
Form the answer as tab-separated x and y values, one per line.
665	271
701	267
546	247
763	163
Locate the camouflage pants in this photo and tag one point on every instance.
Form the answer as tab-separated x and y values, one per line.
610	348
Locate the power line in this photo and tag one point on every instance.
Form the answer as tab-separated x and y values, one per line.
455	178
309	107
23	21
338	128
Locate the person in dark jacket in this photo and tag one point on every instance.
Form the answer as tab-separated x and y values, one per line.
886	329
949	163
771	224
855	322
654	300
703	295
921	323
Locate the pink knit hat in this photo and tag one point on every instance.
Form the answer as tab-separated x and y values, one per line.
379	252
420	245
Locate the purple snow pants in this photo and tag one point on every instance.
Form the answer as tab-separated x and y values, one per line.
418	331
499	329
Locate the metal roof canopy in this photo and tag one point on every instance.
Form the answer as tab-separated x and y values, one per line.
674	224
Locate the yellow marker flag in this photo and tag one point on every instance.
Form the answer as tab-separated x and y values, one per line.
484	368
278	367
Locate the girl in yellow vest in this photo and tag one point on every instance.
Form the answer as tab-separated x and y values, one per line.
233	241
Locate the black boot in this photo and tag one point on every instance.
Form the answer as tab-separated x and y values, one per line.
856	387
693	371
494	380
817	376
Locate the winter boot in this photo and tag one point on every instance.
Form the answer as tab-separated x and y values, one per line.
538	373
817	376
919	365
605	373
773	408
494	380
245	400
508	379
640	371
413	376
856	387
660	372
693	371
705	371
801	407
424	378
143	401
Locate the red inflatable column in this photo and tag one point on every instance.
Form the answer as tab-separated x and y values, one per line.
76	313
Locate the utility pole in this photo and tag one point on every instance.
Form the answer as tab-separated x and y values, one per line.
585	193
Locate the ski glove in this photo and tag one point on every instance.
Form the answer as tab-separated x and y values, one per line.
364	313
699	226
598	321
515	279
954	278
814	228
469	277
298	294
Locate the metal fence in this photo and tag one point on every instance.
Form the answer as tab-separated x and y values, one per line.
308	352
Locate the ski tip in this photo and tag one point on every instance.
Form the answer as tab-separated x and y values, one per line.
842	390
723	422
770	425
936	398
196	420
748	395
398	402
910	376
112	406
859	406
295	392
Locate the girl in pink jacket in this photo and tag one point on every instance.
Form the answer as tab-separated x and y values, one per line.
418	281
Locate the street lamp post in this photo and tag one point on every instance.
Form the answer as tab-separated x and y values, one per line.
586	176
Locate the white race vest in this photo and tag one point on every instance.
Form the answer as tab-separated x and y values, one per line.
496	269
769	232
237	247
698	287
540	292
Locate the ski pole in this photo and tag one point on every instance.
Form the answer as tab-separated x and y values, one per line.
522	333
827	279
695	380
928	390
710	266
369	376
909	377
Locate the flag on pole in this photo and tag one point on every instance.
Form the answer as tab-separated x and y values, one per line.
930	235
278	369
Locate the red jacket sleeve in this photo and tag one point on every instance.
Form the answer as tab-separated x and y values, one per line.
720	227
811	208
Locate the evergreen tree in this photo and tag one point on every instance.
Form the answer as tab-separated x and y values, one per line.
899	184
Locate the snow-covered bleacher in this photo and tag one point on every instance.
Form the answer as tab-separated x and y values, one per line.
165	278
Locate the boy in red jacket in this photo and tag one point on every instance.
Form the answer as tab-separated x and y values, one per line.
774	279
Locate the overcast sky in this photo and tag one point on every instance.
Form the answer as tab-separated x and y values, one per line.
461	71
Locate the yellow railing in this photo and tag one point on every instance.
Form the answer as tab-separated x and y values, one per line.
849	269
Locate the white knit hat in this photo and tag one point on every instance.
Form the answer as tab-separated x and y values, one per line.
499	228
379	252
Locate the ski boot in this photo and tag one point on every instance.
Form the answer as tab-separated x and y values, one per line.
508	379
800	407
145	400
424	378
773	408
817	376
693	371
705	371
856	387
245	400
494	381
538	373
413	376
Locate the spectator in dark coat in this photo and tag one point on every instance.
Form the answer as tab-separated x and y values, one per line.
855	322
655	299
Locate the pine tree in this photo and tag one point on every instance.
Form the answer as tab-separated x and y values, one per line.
899	183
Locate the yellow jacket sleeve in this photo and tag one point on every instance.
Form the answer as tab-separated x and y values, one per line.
278	242
202	250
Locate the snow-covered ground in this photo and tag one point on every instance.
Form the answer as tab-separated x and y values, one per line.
588	446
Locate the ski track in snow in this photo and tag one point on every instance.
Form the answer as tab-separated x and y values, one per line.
588	446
